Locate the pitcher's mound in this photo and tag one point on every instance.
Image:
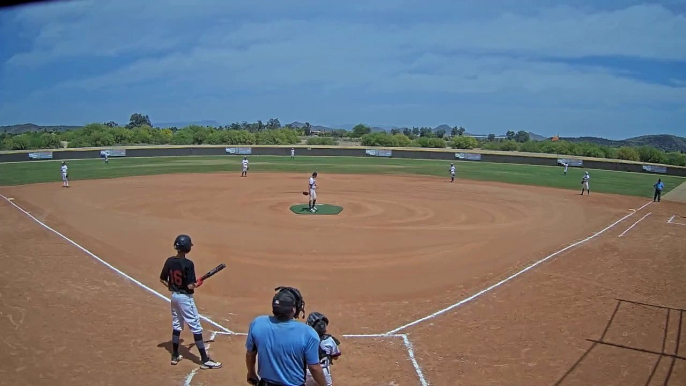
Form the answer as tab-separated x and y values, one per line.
321	209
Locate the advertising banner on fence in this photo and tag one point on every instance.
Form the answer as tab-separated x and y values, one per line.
113	152
239	150
571	162
655	169
468	156
379	152
41	155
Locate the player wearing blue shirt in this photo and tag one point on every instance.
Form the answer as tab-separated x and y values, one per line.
658	190
283	348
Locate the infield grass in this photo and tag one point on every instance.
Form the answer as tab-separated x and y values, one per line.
602	181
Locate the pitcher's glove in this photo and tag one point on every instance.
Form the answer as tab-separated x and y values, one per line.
306	194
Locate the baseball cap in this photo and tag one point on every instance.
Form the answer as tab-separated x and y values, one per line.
283	302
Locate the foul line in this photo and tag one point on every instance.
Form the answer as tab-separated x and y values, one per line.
629	228
159	295
498	284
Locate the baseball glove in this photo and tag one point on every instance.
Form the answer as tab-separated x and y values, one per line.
306	194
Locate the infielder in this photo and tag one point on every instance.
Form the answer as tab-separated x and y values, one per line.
246	166
328	347
452	172
65	174
312	188
292	153
178	274
584	183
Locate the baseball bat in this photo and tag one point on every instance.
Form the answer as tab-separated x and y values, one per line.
213	271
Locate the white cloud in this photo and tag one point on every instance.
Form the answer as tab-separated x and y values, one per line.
402	49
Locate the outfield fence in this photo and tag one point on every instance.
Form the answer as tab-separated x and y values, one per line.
431	154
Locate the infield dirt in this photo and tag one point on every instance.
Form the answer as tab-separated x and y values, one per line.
403	248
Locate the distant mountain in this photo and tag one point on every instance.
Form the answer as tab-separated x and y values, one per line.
537	137
663	142
30	127
179	125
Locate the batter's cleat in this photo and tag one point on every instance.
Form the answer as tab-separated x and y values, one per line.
176	359
211	364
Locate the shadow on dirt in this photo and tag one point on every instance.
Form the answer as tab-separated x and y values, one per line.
660	355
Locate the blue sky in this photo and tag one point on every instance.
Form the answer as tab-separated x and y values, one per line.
615	68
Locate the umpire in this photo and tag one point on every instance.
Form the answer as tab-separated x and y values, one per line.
658	190
282	347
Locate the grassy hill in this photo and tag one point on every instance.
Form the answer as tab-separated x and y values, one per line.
664	142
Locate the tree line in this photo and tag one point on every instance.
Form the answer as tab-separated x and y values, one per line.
139	131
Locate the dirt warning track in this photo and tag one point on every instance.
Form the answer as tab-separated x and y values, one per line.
403	248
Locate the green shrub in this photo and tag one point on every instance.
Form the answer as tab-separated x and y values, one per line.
322	141
509	145
462	142
628	153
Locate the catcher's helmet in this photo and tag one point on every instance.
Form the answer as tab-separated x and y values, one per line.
318	321
183	243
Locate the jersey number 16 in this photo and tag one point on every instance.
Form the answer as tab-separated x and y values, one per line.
176	277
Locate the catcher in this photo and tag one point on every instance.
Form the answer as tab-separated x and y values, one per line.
328	347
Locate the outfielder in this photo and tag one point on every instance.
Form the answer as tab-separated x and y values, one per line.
246	166
178	274
65	174
312	188
292	153
584	184
452	172
566	165
107	157
328	347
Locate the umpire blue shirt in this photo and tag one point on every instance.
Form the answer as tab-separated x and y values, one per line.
284	349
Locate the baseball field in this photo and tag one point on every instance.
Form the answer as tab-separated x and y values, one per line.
505	277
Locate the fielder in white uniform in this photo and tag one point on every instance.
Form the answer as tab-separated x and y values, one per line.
245	163
65	173
584	183
452	172
566	165
312	188
107	157
292	153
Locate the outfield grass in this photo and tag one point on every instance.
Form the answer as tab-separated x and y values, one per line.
633	184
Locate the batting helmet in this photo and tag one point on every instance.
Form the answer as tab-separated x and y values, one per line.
318	321
183	243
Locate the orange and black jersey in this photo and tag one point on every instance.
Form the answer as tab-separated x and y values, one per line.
178	273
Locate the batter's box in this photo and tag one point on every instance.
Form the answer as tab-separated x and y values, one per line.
365	361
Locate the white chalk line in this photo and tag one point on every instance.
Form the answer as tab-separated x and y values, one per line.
498	284
159	295
190	376
634	224
671	221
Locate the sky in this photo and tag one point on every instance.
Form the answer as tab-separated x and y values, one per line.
611	68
